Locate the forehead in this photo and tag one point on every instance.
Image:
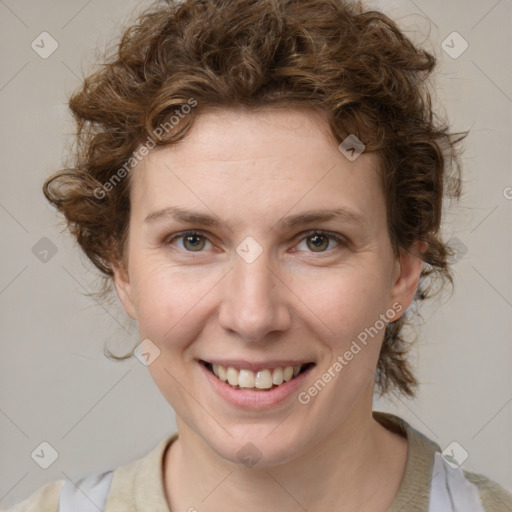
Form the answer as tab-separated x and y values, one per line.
257	161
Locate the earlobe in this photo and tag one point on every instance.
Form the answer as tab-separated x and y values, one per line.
406	284
123	288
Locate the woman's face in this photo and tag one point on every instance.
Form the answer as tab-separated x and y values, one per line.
262	284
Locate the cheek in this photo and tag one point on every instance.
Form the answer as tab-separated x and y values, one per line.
168	298
345	301
350	304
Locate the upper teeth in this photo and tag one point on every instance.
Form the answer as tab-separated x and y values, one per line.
262	379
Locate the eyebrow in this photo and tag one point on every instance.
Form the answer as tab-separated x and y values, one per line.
303	218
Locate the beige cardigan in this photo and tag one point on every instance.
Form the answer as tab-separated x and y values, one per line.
138	486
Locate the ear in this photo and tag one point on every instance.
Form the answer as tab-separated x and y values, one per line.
123	287
407	275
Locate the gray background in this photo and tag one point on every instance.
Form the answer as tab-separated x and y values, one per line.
57	386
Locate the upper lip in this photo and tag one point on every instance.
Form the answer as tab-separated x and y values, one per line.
255	366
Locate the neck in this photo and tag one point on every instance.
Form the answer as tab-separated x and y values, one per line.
358	466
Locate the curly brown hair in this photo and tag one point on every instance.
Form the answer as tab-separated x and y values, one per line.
356	67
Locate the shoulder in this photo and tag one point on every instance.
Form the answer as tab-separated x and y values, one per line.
431	483
45	499
493	496
126	488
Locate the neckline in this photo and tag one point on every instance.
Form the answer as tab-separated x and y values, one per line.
414	490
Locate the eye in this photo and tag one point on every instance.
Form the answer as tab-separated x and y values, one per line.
193	241
319	241
316	241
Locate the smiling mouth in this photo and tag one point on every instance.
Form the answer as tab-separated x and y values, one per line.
265	379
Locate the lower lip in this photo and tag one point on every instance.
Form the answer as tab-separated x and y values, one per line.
250	399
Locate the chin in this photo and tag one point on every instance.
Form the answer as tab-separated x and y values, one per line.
258	446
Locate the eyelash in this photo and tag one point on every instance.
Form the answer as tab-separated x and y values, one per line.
341	241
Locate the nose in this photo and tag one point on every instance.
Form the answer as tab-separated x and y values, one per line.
254	300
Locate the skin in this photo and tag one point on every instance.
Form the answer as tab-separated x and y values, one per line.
250	169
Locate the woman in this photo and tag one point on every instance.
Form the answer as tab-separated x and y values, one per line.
262	182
